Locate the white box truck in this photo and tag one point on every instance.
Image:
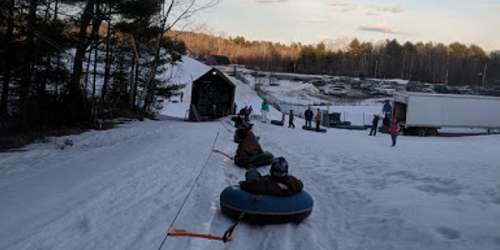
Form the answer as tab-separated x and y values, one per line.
424	114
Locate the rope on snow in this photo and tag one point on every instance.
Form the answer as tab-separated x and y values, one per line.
190	190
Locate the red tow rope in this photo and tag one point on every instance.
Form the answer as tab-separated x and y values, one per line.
183	233
223	153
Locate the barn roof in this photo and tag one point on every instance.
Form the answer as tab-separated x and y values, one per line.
218	72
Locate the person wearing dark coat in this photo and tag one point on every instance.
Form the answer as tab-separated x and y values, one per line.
373	130
317	118
238	121
249	152
290	119
386	121
243	111
308	115
278	183
249	111
249	145
394	130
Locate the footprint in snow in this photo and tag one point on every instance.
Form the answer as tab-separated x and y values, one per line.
84	224
448	233
496	200
450	189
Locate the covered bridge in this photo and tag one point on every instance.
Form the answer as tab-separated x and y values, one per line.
212	96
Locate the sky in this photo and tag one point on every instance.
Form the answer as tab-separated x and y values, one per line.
312	21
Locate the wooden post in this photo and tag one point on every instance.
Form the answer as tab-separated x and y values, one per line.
195	113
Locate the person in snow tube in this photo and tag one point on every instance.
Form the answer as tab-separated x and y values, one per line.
278	183
239	134
238	121
249	152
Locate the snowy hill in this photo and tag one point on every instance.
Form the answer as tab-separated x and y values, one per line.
121	189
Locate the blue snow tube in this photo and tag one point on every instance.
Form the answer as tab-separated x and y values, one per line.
265	209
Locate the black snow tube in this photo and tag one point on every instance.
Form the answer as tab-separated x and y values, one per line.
277	123
265	209
263	159
351	127
321	130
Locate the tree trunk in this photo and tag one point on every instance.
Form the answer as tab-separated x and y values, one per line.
133	87
26	78
135	61
107	60
87	70
9	53
78	109
148	88
94	73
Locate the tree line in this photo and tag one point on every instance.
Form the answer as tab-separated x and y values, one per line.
74	62
453	64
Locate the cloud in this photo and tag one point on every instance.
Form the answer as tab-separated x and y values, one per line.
379	28
389	9
339	3
315	19
271	1
346	6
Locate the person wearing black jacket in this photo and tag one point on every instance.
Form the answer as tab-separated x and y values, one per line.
308	115
373	130
278	183
290	119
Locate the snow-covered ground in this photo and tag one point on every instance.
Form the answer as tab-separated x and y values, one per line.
121	189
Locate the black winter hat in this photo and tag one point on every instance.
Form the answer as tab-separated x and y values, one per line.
279	167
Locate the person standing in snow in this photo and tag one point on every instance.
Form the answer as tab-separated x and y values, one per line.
308	115
290	119
182	96
394	131
387	109
264	109
373	130
317	118
278	183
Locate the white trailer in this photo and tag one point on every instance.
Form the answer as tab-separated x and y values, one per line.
424	114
